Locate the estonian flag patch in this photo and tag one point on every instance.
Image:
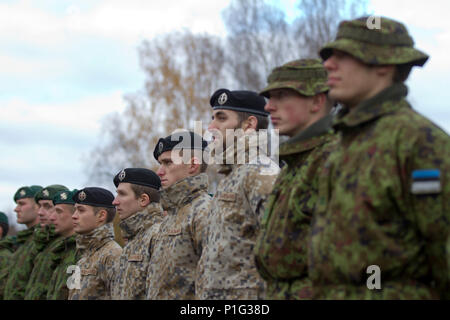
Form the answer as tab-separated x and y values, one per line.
426	181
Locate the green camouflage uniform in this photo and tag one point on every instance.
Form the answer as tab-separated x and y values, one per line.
44	265
226	269
133	264
97	252
384	192
63	255
21	263
178	244
281	248
7	247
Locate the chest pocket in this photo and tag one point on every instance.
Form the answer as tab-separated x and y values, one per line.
89	271
229	197
135	258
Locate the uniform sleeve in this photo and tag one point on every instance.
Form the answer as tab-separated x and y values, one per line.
257	187
428	176
198	223
109	263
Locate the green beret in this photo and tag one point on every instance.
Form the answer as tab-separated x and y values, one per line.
307	77
26	192
49	192
3	218
390	44
64	197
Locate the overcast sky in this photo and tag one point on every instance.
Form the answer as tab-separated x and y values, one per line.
67	64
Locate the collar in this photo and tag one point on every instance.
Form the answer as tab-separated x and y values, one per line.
23	236
232	155
373	108
141	220
316	134
96	238
184	191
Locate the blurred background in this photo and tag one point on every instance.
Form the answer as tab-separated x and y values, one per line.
87	87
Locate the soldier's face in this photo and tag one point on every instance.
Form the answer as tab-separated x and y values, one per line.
84	219
289	111
27	211
221	121
126	202
46	208
61	218
170	172
352	81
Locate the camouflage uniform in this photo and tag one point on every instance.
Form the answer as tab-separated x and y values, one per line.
178	246
373	207
98	252
43	266
132	265
226	269
23	260
63	255
7	247
281	248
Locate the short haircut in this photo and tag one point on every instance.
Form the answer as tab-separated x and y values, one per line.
402	72
198	153
263	121
139	190
110	213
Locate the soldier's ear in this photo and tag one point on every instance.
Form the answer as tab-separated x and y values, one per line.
318	102
250	123
194	165
102	215
144	200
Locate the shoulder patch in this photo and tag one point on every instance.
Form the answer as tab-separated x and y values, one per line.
426	181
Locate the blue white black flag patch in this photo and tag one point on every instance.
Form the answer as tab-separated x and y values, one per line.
426	181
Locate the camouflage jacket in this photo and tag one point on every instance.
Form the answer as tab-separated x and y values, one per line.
132	265
376	209
7	248
227	260
98	252
178	246
281	248
43	267
63	255
23	260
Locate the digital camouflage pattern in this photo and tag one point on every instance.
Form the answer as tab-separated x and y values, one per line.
7	247
44	265
22	262
391	44
226	269
98	252
178	245
307	77
281	248
132	265
64	255
367	213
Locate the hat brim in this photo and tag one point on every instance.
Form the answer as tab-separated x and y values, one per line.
376	54
313	90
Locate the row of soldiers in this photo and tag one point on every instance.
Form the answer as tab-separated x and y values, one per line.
368	187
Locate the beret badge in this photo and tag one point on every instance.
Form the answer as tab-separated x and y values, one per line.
22	192
63	196
223	98
160	147
82	196
46	193
122	175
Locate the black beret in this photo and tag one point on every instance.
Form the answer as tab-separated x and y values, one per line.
179	140
140	176
243	101
95	197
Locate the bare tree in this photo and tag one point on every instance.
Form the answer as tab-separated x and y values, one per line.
182	71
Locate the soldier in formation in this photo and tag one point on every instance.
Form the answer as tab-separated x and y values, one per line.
360	209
